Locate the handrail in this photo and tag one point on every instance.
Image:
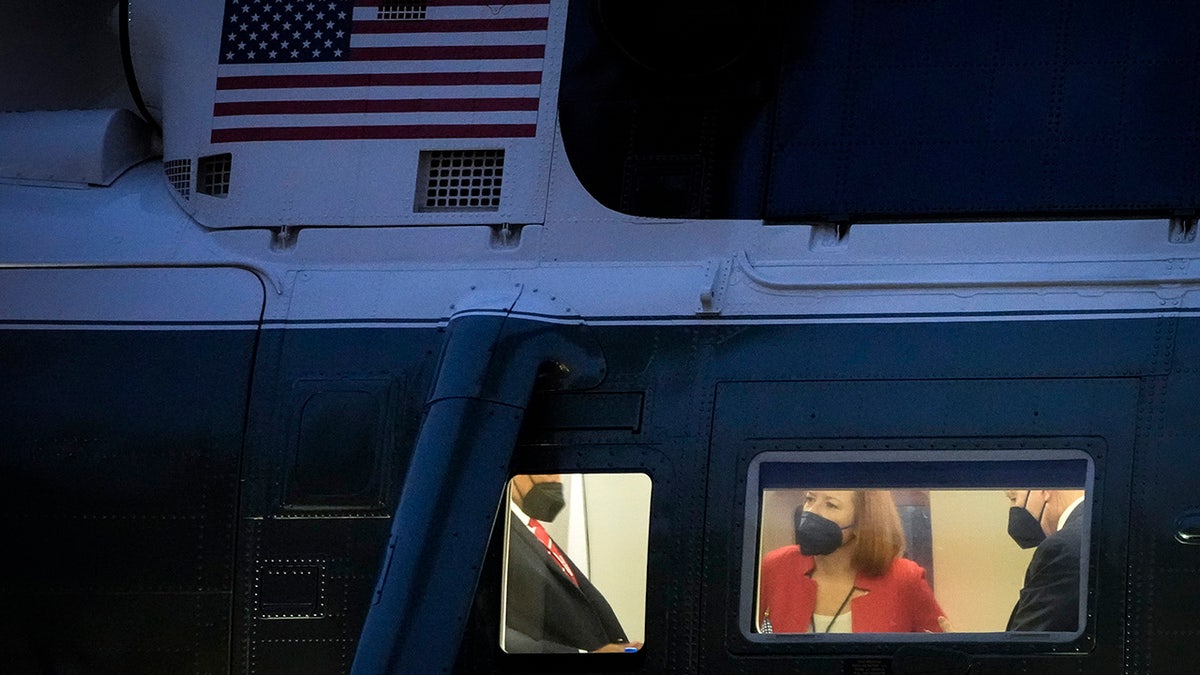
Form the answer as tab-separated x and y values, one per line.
455	484
935	275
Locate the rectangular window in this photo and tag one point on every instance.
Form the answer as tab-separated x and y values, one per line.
575	554
338	446
988	546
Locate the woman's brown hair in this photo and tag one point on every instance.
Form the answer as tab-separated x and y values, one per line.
880	537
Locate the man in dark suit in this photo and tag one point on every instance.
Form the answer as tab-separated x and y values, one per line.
550	606
1052	520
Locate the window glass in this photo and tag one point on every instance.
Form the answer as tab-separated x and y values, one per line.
987	546
338	448
575	563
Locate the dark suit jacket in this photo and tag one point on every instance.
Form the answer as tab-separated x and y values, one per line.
1050	599
545	611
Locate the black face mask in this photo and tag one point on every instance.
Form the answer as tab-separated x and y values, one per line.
817	535
1023	527
544	501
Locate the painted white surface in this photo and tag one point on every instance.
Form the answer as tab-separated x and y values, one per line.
130	295
356	252
71	146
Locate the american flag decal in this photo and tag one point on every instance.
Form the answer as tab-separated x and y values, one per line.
296	70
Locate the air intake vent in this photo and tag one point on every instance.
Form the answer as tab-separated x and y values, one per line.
212	176
179	174
459	180
391	11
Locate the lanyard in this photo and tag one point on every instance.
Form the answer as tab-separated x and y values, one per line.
813	622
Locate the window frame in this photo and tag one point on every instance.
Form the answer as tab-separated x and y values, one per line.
505	522
752	533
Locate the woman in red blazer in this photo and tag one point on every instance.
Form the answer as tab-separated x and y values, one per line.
845	573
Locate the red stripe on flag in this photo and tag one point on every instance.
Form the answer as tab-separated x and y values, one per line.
451	25
352	133
376	80
456	53
371	106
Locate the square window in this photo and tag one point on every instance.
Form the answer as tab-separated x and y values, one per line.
576	551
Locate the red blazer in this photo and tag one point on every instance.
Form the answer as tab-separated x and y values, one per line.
900	601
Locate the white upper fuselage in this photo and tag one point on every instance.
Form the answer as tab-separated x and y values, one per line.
333	229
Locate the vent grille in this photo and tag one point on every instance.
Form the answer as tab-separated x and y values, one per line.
459	180
179	175
212	176
390	11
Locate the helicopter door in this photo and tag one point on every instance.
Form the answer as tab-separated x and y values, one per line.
123	400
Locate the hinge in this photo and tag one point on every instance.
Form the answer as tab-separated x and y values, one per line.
828	236
506	235
1183	230
717	280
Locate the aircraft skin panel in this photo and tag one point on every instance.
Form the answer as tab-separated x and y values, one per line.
124	398
121	469
294	521
202	297
1015	268
942	403
368	96
930	357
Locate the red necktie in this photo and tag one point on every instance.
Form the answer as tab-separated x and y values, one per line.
544	537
